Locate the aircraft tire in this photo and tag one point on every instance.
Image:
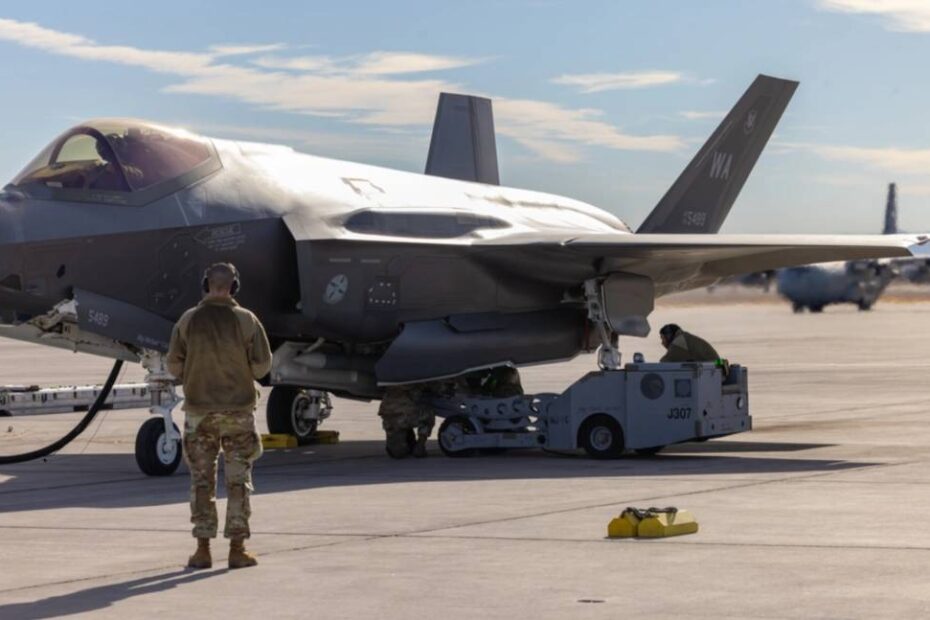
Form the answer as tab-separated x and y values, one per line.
153	454
798	308
456	424
816	309
282	414
601	437
864	306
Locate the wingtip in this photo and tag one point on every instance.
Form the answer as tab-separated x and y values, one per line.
919	246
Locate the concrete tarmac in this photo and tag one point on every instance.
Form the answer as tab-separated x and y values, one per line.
820	512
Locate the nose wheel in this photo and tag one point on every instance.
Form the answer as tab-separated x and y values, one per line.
157	454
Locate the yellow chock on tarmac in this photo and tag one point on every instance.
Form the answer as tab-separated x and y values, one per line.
652	523
624	526
278	441
326	437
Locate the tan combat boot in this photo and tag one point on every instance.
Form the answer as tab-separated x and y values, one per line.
238	556
201	557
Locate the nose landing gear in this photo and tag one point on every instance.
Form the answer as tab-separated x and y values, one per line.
158	442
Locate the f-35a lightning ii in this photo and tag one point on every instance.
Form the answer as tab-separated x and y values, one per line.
364	276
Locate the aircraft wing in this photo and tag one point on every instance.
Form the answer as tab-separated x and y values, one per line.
679	262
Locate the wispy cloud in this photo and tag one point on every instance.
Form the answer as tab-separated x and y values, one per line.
373	89
892	159
242	50
697	115
599	82
375	63
900	15
549	130
390	63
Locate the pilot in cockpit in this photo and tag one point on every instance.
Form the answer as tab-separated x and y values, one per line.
130	153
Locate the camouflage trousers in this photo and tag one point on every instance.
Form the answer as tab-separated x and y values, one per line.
205	435
401	410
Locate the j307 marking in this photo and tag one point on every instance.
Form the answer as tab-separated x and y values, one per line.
679	413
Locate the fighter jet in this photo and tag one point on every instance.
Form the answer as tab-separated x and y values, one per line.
365	276
859	282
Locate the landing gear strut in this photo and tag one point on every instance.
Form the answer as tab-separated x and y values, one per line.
608	355
158	442
296	411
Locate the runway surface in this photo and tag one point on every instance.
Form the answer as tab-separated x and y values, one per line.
820	512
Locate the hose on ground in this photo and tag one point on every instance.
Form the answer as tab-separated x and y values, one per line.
77	430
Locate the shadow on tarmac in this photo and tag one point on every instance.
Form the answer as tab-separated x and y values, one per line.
112	480
100	597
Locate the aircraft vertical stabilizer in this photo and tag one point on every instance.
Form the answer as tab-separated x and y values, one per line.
462	145
891	211
700	199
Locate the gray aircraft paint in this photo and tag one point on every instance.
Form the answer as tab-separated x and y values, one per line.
392	272
701	198
463	145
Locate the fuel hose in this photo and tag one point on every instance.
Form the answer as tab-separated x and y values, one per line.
77	430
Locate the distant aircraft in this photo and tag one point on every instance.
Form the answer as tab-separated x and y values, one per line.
364	276
859	282
914	270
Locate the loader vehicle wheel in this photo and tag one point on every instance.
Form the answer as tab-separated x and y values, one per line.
286	413
601	437
156	455
451	431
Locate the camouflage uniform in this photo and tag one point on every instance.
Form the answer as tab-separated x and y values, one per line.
204	435
499	382
404	417
217	350
686	347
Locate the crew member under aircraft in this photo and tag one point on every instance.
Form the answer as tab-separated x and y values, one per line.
682	346
218	349
499	382
407	419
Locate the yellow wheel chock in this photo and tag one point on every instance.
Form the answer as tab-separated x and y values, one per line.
278	441
281	441
652	523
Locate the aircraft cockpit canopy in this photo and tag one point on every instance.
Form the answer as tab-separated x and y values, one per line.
118	156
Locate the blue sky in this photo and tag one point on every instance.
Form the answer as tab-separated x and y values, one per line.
602	101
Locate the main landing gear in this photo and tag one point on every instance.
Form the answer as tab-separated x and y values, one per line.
297	411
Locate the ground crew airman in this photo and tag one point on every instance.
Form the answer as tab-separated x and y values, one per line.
498	382
684	347
407	419
218	349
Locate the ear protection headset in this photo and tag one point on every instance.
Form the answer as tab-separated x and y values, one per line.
205	283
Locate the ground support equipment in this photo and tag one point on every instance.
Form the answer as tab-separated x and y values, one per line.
641	407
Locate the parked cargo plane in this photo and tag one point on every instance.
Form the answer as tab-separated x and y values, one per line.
365	276
860	282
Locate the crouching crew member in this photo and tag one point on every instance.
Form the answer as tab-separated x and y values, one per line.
218	349
407	419
498	382
684	347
